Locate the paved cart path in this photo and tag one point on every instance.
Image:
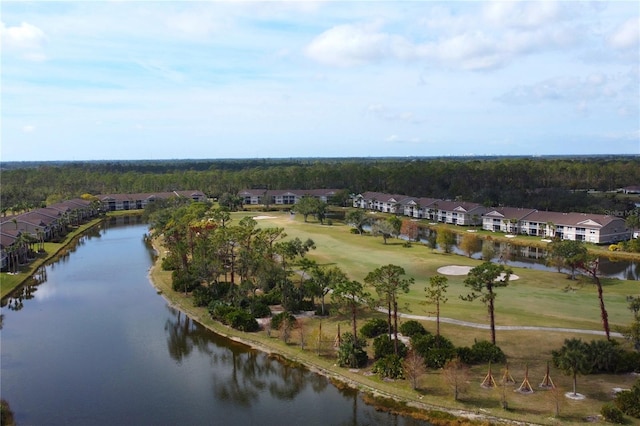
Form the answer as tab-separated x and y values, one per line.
501	327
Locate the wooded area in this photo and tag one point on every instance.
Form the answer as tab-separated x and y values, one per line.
544	183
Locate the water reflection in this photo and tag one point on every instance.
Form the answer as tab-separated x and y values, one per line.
535	257
91	342
183	334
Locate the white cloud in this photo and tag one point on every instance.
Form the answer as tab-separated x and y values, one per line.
627	35
26	40
352	45
29	128
532	14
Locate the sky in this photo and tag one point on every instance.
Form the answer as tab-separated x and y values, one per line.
119	80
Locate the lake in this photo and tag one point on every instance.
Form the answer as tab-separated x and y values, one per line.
94	344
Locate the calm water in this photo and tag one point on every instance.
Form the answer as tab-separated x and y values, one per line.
95	345
533	257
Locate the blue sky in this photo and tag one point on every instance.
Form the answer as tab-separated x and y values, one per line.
161	80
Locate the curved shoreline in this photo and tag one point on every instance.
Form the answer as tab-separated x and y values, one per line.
237	336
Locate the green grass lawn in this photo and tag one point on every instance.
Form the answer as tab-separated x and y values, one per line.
536	298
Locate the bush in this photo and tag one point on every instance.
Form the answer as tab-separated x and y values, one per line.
241	320
629	362
220	290
603	356
202	296
305	305
271	298
628	401
170	263
183	281
260	309
484	352
383	346
466	355
351	352
436	350
374	327
412	328
612	414
389	366
276	320
219	310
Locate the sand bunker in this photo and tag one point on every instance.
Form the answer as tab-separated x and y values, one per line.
464	270
263	217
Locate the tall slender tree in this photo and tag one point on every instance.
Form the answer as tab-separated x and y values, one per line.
436	295
350	294
388	281
483	280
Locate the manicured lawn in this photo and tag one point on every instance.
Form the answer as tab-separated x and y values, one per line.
537	298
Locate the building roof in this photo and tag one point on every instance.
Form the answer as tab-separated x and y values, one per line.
508	213
573	219
458	206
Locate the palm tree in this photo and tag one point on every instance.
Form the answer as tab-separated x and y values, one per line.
572	359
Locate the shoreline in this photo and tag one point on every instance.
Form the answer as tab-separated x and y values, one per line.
332	375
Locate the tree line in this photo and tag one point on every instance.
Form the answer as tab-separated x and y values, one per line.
556	184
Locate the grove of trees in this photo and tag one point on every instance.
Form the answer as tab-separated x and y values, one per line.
546	183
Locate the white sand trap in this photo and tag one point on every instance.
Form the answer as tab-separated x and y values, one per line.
464	270
264	217
454	270
574	396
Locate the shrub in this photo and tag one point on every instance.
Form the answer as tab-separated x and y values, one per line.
271	298
465	354
241	320
485	351
603	356
412	328
351	352
629	362
276	320
170	263
305	305
260	310
202	296
389	366
220	289
219	310
374	327
183	281
612	414
628	401
383	346
436	350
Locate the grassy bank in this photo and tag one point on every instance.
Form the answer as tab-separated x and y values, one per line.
537	298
